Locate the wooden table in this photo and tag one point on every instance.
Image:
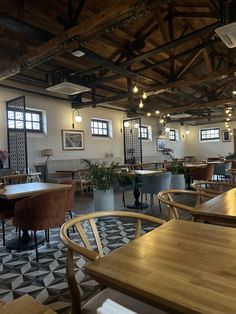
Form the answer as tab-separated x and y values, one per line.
17	191
221	208
182	267
71	172
137	173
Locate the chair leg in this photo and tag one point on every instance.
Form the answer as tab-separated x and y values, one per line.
123	197
36	246
71	216
3	232
159	204
47	235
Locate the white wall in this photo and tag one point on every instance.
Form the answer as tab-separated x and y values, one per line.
59	116
194	147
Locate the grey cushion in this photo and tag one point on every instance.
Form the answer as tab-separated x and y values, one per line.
133	304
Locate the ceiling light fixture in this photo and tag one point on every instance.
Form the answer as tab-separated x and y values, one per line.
144	95
157	112
78	53
148	114
234	92
126	124
162	121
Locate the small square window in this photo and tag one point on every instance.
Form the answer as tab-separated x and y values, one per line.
99	128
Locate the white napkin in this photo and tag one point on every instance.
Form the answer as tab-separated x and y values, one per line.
111	307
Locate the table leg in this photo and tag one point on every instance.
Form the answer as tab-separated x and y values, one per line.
137	204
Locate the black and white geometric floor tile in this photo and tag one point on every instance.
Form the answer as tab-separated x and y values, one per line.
46	280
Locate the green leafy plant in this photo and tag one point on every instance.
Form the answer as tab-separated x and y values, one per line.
231	156
102	177
177	167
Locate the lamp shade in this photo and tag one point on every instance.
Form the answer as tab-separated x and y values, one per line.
47	152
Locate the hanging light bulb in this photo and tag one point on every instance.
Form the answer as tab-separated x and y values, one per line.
140	104
187	132
144	95
234	92
76	117
126	124
136	125
135	89
228	119
227	111
231	133
168	114
162	121
157	112
148	114
167	130
230	114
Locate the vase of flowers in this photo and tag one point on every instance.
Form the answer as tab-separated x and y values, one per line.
3	156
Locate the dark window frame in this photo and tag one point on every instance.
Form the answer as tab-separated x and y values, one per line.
100	121
30	111
141	133
174	137
208	130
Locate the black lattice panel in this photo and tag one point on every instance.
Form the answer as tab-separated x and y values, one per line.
132	142
17	144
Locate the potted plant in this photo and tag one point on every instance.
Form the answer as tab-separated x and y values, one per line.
178	175
103	178
231	156
3	157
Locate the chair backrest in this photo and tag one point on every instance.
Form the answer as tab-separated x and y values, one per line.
202	173
14	179
41	212
213	187
155	184
220	168
70	194
89	228
171	198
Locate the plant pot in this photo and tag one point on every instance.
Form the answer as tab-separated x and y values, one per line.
178	181
103	199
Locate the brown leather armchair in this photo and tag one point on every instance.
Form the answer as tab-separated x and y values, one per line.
41	212
204	173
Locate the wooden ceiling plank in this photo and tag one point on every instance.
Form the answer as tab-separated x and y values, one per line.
207	60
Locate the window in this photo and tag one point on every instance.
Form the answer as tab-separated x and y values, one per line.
172	135
33	120
143	132
210	134
99	128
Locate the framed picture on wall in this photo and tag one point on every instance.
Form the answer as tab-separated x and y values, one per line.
160	144
226	137
72	139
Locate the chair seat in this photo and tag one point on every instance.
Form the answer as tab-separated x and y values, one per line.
133	304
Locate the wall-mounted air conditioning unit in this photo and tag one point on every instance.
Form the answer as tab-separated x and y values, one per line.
227	33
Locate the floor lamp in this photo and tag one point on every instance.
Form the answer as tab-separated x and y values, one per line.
47	152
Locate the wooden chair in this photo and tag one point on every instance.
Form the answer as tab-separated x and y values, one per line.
213	187
87	250
189	200
7	206
14	179
85	183
41	212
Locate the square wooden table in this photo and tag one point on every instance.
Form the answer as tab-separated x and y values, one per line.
221	208
182	267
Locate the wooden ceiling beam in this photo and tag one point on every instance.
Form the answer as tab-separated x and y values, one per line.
89	27
207	105
172	44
